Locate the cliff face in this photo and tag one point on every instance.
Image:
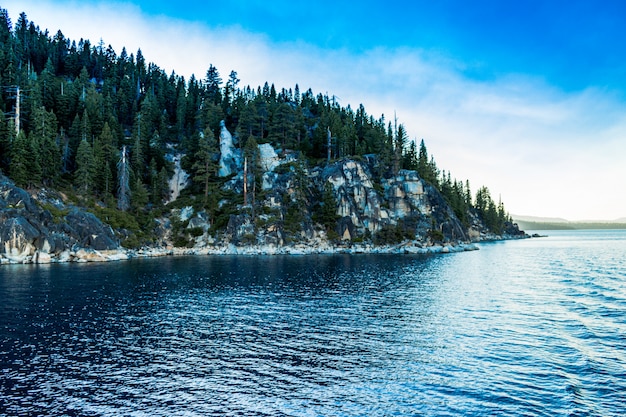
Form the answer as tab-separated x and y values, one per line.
30	233
403	201
291	208
291	205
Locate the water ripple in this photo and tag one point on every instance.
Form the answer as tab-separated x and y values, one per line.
518	328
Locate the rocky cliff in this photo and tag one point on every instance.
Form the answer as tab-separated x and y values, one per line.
289	204
335	204
42	229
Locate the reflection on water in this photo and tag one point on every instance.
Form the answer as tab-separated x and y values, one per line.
529	327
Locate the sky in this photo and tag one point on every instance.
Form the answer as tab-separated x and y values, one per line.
527	98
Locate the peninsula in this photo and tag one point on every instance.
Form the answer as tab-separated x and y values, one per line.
104	156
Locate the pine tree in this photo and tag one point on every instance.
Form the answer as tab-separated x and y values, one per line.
409	161
398	147
205	166
85	168
213	82
326	212
140	196
230	91
7	137
19	166
43	135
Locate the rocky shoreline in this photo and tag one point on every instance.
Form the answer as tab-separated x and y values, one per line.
85	255
92	255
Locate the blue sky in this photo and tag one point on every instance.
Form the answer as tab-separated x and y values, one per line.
570	43
527	97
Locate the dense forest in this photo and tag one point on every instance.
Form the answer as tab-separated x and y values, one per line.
99	126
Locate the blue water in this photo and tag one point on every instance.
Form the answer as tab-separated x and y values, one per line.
532	327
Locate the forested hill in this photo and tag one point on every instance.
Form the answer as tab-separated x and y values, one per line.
103	130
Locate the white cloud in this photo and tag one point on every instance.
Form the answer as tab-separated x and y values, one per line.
545	151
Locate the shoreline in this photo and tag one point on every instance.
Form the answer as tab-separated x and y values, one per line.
87	255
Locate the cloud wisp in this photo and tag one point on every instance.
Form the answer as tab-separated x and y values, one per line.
545	151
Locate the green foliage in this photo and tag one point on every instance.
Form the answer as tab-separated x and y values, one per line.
196	231
435	235
426	168
133	232
140	197
205	165
325	212
294	219
58	215
86	104
494	216
182	241
21	161
86	168
388	235
117	219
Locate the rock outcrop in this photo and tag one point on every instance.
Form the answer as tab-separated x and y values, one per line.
405	200
292	209
230	157
395	208
31	233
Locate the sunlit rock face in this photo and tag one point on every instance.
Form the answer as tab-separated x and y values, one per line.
230	158
356	196
404	198
179	180
405	194
268	157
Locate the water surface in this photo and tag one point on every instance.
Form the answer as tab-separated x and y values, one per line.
531	327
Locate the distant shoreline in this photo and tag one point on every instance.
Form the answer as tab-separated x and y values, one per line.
530	225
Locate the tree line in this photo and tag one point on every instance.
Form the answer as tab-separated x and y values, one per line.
80	116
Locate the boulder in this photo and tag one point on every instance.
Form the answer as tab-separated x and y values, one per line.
91	232
88	255
17	237
42	258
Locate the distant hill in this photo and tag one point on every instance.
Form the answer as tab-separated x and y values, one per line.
557	223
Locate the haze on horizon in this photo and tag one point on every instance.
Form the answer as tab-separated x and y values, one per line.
528	99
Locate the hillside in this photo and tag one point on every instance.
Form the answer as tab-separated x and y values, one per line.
547	223
169	162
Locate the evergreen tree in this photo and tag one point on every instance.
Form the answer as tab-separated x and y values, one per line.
163	184
326	211
20	160
140	196
43	136
399	143
409	160
7	137
426	168
205	165
213	82
85	168
230	91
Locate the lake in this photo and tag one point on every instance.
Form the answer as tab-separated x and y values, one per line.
527	327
